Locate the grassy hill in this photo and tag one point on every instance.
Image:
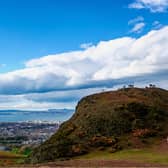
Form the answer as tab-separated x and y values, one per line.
110	121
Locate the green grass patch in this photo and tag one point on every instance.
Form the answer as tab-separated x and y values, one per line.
140	155
9	158
10	155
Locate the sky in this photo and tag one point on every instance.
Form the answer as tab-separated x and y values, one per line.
52	53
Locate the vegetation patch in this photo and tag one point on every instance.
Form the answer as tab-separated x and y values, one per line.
140	155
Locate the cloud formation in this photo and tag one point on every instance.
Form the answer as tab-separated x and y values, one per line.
137	24
157	25
152	5
60	80
86	45
136	20
138	28
108	60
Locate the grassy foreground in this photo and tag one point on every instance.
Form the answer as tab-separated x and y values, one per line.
137	155
8	158
150	156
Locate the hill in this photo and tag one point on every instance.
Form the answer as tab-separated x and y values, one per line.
115	120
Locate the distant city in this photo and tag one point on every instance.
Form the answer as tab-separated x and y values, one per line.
25	133
31	128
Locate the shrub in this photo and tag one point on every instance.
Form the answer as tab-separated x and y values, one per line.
79	149
142	132
98	141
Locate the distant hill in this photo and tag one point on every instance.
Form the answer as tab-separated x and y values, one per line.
36	111
126	118
61	110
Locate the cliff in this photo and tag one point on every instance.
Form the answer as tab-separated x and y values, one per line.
113	120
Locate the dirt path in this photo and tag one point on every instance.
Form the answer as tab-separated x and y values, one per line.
94	163
162	147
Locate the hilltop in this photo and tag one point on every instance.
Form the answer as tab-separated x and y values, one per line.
116	120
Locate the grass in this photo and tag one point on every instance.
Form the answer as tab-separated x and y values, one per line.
9	155
8	158
139	155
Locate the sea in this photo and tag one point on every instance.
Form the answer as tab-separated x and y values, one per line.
35	116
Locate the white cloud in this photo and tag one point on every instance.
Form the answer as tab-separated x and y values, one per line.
43	101
86	45
138	28
118	58
33	105
136	20
157	25
107	64
152	5
137	24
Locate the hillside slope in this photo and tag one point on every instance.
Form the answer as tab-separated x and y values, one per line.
114	120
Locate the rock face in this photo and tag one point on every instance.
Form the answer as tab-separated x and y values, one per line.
109	120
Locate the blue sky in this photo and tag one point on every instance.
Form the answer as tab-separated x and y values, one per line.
53	52
30	29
